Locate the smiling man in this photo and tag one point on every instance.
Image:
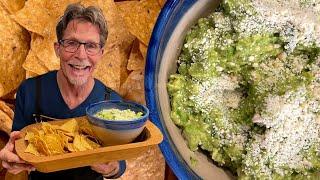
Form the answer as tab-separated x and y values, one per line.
79	48
81	34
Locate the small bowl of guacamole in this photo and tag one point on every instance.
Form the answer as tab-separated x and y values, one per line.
117	122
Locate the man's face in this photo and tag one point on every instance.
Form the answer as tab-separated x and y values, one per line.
78	66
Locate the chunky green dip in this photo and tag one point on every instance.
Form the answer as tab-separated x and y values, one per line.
247	88
117	114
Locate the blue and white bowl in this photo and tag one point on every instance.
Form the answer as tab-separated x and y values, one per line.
175	19
115	132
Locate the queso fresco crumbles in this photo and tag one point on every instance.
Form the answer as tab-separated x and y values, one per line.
118	114
247	88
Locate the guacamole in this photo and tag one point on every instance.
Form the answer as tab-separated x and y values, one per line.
117	114
247	88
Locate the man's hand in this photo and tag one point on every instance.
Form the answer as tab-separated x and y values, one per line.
10	160
107	169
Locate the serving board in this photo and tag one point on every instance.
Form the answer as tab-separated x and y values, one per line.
151	136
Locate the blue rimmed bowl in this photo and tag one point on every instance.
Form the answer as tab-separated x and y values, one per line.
115	132
175	19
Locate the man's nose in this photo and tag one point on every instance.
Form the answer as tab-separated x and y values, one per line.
81	52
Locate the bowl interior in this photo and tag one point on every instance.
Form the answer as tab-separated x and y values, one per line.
166	65
121	105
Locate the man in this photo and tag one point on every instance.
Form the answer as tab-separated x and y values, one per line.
81	34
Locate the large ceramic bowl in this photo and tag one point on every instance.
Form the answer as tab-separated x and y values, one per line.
115	132
174	21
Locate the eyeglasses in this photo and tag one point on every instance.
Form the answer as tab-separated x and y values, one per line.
72	46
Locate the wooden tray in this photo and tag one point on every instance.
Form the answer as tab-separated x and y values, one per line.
151	136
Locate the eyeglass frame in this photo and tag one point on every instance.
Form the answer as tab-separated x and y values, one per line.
61	42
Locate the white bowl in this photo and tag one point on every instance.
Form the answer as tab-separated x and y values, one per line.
174	21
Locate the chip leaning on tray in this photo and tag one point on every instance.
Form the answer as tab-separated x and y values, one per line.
53	139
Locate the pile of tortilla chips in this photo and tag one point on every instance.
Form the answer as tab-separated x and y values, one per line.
53	139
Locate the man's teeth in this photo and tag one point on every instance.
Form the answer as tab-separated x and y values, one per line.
80	67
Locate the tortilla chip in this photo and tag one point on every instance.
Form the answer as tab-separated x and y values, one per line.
6	109
32	149
133	88
5	122
41	16
125	55
86	3
34	65
140	17
13	5
14	48
70	147
77	144
70	126
48	128
124	73
54	144
65	139
136	60
44	48
30	74
162	2
40	145
33	16
119	34
108	69
90	143
29	135
85	128
10	98
117	47
143	49
57	7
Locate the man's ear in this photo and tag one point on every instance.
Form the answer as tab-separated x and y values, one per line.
57	49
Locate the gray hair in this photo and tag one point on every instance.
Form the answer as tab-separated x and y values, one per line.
91	14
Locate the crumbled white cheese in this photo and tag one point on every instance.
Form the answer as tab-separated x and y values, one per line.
291	128
297	22
217	92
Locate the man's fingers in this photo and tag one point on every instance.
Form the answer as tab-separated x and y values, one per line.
10	160
5	164
13	136
14	171
12	157
15	168
24	167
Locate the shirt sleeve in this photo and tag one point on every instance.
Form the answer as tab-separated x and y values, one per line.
122	169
